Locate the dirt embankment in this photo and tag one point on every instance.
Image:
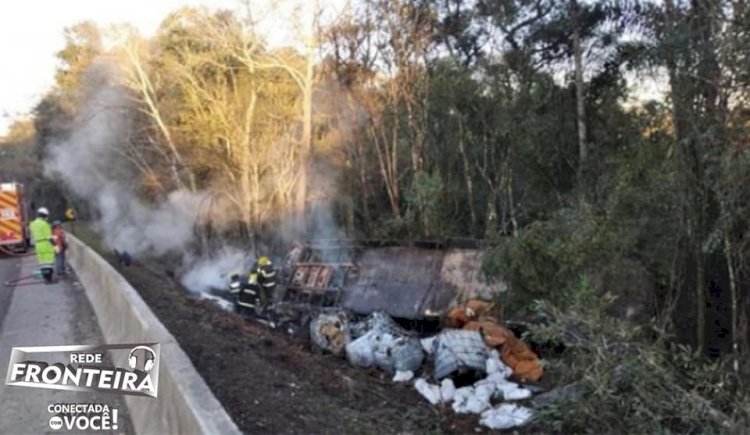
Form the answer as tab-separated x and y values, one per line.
272	383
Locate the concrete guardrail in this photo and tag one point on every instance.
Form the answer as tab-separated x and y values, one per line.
185	404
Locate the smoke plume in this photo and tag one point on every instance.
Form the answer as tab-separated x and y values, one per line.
204	273
91	163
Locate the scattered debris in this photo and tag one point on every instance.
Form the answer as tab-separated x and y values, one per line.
505	416
360	352
473	310
495	365
477	353
385	345
447	390
428	344
429	391
514	352
459	351
403	376
471	400
329	331
510	391
568	392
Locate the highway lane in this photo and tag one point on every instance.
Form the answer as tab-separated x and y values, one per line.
9	268
44	315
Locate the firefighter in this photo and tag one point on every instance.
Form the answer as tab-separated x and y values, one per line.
61	245
246	294
44	243
266	279
123	258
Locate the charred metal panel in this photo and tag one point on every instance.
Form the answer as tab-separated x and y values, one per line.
462	268
404	282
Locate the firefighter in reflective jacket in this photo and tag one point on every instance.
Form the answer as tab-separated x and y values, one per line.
44	242
266	279
247	293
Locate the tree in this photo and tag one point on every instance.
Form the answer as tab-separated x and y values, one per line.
575	12
223	110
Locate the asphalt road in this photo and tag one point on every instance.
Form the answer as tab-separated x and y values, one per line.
9	268
44	315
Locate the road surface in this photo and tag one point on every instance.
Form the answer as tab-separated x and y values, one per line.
43	315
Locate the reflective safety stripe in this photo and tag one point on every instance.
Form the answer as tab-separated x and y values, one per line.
234	287
249	292
252	278
269	284
265	274
245	304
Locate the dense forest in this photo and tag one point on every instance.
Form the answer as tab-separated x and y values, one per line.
619	222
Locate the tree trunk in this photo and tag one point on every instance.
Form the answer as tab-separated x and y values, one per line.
688	171
365	197
490	227
511	202
146	90
743	321
700	298
580	102
467	177
388	169
307	127
733	291
249	204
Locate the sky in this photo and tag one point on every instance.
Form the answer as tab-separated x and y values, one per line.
31	32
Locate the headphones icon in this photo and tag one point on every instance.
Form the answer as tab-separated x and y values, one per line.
133	360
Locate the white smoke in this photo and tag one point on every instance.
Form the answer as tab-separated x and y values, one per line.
203	274
91	162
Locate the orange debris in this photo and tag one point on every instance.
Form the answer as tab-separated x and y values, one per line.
514	352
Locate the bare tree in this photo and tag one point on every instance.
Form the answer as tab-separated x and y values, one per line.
232	111
138	80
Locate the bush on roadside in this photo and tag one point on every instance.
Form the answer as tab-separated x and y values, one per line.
632	379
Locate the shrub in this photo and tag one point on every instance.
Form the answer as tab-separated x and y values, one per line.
631	379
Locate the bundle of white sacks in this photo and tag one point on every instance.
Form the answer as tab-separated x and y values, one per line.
380	342
478	398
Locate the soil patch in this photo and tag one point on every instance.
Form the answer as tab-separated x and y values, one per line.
270	382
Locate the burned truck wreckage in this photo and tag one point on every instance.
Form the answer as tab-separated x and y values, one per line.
407	311
416	285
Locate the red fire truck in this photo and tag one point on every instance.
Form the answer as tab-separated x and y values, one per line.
13	217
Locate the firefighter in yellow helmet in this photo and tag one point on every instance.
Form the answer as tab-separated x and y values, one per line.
266	279
247	293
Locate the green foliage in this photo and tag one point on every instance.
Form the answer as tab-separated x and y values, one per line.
633	231
424	204
632	380
83	43
550	259
391	228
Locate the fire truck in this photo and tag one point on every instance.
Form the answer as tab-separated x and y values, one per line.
13	218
